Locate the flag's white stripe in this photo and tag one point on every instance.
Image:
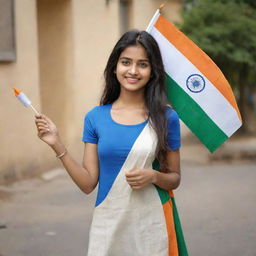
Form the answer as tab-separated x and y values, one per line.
179	68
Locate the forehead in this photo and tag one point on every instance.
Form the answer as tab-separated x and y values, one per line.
135	52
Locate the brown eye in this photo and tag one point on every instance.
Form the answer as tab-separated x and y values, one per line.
143	64
125	62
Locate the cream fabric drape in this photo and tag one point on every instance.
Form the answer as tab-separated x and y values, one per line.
131	222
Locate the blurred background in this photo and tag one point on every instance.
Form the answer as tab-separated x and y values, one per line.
55	51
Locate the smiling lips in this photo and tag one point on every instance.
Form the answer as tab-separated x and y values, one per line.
132	80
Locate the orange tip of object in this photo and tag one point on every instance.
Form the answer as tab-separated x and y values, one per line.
16	91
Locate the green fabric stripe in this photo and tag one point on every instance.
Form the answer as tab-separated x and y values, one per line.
179	233
194	117
163	194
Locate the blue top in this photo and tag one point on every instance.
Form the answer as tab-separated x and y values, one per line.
115	141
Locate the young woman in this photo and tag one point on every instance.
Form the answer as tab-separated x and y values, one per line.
131	131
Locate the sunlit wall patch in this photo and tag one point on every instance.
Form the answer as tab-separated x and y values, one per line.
195	83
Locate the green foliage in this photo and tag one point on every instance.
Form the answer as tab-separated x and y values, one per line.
225	30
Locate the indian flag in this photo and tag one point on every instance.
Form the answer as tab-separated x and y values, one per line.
196	87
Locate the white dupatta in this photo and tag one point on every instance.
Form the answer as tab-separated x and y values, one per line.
131	222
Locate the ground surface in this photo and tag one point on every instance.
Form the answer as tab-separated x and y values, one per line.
49	216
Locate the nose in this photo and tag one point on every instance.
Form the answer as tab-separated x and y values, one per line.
133	69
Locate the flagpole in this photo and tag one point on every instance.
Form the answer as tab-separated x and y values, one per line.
35	110
156	15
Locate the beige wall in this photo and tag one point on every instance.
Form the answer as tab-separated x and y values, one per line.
95	31
19	149
143	11
62	49
55	59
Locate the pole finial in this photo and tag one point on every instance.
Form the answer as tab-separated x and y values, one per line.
16	91
161	7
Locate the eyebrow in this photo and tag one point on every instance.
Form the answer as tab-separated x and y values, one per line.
131	59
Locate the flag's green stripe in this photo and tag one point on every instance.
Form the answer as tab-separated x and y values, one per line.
179	233
194	116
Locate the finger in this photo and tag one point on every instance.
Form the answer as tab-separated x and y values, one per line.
127	172
48	120
134	184
43	129
42	133
38	121
40	128
132	173
133	176
42	124
136	187
38	116
132	179
41	118
129	175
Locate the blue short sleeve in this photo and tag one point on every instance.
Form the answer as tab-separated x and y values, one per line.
173	137
90	132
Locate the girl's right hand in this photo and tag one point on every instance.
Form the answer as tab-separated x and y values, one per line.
47	130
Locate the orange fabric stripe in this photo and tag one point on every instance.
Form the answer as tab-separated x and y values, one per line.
199	59
173	246
170	192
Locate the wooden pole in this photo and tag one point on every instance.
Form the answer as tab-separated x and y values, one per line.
161	7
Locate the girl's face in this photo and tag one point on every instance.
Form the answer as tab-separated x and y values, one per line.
133	68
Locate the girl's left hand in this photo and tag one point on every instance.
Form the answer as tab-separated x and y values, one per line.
140	178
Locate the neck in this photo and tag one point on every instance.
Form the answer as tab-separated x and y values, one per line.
131	99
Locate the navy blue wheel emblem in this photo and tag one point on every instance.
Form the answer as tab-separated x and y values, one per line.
195	83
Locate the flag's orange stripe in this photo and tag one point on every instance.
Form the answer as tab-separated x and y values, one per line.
173	246
197	57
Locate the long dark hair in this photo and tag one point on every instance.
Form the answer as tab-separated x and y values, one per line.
155	93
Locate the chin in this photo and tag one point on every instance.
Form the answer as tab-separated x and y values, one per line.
133	88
